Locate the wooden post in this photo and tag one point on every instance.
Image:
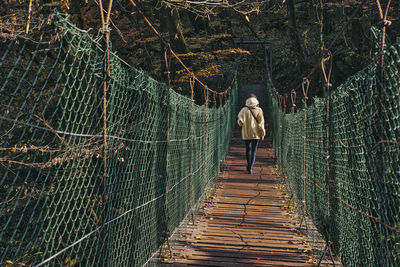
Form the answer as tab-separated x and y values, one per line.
205	132
107	75
192	80
217	141
305	87
167	68
328	85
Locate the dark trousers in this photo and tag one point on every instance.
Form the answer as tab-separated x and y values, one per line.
251	149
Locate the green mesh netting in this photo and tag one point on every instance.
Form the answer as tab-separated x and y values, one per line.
349	185
58	207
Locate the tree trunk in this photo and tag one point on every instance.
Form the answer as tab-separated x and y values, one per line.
171	24
294	38
75	11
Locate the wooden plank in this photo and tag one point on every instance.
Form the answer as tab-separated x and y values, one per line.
245	223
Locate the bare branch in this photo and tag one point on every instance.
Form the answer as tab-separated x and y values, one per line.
205	8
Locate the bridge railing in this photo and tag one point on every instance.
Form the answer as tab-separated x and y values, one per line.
95	179
341	161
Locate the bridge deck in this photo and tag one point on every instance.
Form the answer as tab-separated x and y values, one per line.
245	222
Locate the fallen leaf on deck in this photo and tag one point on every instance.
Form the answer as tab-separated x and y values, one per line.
307	249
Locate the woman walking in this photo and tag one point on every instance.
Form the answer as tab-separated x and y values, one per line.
251	119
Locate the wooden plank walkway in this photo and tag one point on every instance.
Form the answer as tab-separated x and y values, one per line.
244	223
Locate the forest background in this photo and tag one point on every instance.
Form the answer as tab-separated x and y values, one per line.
203	34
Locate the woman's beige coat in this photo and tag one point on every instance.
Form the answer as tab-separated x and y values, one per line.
250	128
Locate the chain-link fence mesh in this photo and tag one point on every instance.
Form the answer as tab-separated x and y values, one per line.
343	166
67	197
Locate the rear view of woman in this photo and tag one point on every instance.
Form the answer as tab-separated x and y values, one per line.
251	119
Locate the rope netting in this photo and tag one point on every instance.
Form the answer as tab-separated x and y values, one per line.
340	158
75	193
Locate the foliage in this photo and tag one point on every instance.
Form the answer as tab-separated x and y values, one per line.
201	27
